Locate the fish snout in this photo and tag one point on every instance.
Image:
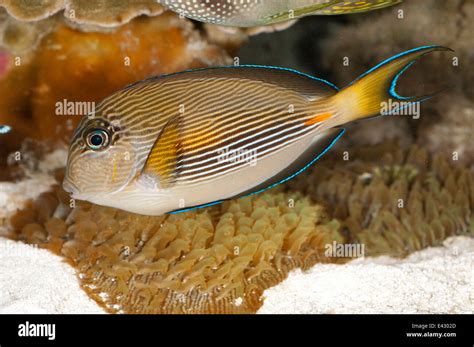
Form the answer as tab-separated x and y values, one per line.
70	187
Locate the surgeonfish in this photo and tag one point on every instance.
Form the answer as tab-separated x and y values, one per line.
248	13
199	137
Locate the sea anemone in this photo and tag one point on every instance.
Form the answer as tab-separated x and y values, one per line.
393	200
220	259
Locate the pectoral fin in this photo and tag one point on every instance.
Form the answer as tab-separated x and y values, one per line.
162	161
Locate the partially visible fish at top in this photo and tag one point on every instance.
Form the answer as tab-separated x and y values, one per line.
196	138
248	13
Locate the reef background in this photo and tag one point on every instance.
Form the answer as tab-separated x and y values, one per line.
221	259
318	46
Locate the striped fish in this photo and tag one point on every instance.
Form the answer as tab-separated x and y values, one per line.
247	13
199	137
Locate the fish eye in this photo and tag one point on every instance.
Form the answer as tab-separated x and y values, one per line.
97	139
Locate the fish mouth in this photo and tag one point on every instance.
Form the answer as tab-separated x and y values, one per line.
74	192
70	187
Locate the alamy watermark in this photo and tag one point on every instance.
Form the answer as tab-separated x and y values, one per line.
28	329
237	155
73	108
344	250
400	108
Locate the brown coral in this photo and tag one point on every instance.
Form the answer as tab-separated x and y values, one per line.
97	12
394	201
221	259
87	66
217	260
21	37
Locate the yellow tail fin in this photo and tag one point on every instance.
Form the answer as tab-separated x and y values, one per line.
366	95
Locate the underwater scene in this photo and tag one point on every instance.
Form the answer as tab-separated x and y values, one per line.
236	156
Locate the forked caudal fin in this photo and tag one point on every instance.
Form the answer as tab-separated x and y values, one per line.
365	96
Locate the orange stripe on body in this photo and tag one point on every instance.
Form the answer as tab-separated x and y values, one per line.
319	118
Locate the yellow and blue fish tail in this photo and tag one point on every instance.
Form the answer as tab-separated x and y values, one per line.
366	95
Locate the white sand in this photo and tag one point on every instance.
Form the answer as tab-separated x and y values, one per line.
34	280
14	195
434	280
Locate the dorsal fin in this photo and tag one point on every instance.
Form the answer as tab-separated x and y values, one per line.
304	84
164	155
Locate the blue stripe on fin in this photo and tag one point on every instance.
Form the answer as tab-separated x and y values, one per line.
195	207
393	58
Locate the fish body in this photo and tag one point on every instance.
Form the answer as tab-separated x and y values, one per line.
199	137
247	13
